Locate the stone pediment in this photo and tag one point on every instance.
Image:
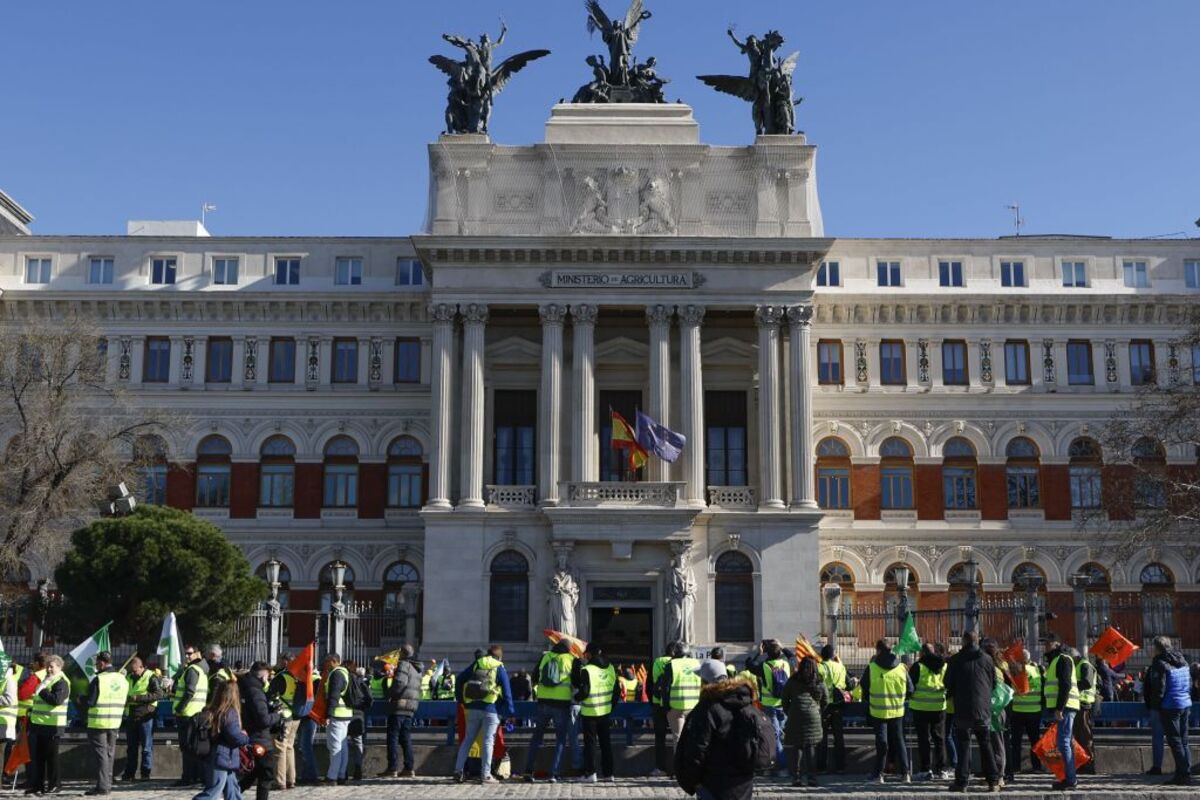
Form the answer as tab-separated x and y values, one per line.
621	350
727	350
514	350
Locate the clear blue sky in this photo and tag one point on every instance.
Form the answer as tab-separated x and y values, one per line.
305	117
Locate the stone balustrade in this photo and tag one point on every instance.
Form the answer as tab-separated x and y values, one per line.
732	497
512	496
662	494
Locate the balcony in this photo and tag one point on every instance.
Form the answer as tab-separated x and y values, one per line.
511	496
604	494
732	497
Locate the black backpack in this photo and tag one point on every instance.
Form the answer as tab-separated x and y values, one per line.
199	738
355	695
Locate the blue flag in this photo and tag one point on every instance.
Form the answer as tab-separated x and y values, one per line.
659	439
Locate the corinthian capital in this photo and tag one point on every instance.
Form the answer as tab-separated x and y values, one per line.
800	315
474	313
691	315
659	315
442	312
584	314
768	316
552	313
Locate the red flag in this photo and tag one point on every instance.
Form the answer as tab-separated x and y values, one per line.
302	668
624	437
1113	647
1015	651
577	645
28	685
1047	752
804	649
19	756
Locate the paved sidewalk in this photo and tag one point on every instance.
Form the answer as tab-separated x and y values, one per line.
426	788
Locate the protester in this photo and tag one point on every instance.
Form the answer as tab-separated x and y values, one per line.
1086	679
773	673
631	689
1025	719
259	722
144	692
724	741
554	695
189	699
1062	699
487	695
970	679
997	730
224	723
47	721
805	699
404	693
596	690
281	691
885	685
9	707
713	667
928	706
679	688
306	732
659	710
356	734
833	674
217	671
522	686
104	707
1107	679
337	724
1168	694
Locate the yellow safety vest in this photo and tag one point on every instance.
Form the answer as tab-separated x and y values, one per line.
1029	702
685	684
1050	684
930	692
110	702
138	687
23	706
42	713
856	694
887	691
288	696
337	705
8	714
630	685
834	674
1086	696
657	667
563	690
768	699
199	697
601	683
427	686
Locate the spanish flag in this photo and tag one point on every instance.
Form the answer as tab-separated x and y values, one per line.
624	437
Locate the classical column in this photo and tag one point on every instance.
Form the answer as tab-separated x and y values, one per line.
584	466
800	328
767	319
474	319
691	404
659	320
550	402
442	316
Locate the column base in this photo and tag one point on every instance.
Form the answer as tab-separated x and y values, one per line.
471	504
696	503
772	505
438	505
807	505
550	502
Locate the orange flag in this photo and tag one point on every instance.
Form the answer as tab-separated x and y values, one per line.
642	679
1113	647
1047	752
1015	651
577	645
804	649
19	756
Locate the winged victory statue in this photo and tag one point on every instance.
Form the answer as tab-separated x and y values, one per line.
473	83
620	79
768	87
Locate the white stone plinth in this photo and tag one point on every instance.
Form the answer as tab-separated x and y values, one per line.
622	123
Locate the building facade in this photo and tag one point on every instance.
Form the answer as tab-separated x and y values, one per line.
434	410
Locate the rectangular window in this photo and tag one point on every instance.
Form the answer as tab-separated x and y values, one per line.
1079	364
954	363
958	485
1196	364
887	273
891	363
162	271
1012	273
614	463
405	485
725	442
1085	487
408	361
896	488
277	485
1141	362
950	273
212	485
341	486
1016	363
348	272
156	363
219	361
1191	274
829	274
287	272
515	427
154	484
829	362
100	271
225	271
283	361
408	272
345	360
833	487
1074	274
37	270
1023	487
1136	275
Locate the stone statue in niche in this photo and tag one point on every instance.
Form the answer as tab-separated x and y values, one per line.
681	598
563	595
593	210
768	87
655	208
621	79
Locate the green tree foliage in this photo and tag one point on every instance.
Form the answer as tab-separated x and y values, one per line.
134	569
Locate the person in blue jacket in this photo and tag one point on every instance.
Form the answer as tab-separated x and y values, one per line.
227	737
484	689
1168	693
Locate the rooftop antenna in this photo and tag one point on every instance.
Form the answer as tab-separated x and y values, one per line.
205	208
1018	220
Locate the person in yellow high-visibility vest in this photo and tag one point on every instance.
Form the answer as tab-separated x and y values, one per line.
337	725
885	686
141	706
833	673
597	691
283	688
659	710
104	708
10	678
928	707
773	672
1062	699
553	679
679	688
1025	719
189	698
47	721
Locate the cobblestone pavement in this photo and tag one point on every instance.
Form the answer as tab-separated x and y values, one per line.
426	788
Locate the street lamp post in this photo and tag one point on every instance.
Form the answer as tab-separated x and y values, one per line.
1031	583
902	574
338	608
971	623
833	607
274	612
1079	583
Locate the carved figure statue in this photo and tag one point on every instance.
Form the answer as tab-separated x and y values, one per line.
622	79
647	85
620	35
681	600
593	210
563	596
655	208
768	87
597	91
473	84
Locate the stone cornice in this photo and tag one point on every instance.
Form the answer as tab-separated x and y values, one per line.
1030	309
136	307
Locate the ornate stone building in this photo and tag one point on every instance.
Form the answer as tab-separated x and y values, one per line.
434	410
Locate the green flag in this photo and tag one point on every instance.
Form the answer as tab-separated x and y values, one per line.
909	641
170	647
80	666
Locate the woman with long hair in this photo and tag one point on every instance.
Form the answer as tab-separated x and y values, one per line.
224	727
805	698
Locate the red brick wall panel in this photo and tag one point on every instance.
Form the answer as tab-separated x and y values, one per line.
308	498
864	490
243	491
1056	491
993	491
372	490
181	486
930	499
1116	485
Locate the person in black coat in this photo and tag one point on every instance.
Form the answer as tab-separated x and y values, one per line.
259	721
717	753
970	679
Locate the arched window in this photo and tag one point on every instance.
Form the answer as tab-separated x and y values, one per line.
285	585
395	578
150	461
277	474
892	593
341	473
1150	467
509	598
1097	597
16	600
1086	461
958	474
1023	484
734	599
405	473
833	473
1158	601
1021	575
896	474
212	472
841	575
325	589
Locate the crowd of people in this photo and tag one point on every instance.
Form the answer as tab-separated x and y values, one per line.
782	713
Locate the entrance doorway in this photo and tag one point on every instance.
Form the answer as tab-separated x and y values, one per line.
626	634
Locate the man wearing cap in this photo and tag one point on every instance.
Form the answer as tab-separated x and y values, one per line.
145	690
104	706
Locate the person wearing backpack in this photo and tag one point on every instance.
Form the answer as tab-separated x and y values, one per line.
487	695
554	670
659	709
361	700
774	673
219	730
339	706
724	741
